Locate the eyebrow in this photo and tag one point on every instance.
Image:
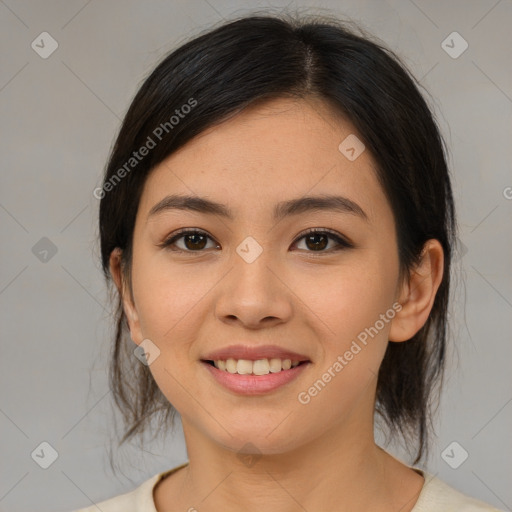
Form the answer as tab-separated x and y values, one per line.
281	210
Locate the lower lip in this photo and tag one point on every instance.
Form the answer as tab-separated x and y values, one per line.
254	384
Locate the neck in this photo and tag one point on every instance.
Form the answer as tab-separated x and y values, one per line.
329	473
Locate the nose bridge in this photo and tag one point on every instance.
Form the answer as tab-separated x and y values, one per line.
253	265
253	291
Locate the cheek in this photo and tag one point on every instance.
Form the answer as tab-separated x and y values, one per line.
349	298
169	300
353	345
167	295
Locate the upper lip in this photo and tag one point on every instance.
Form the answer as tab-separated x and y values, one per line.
253	353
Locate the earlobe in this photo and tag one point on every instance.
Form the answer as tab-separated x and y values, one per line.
418	292
128	306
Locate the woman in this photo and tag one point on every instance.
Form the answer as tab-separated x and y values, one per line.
278	220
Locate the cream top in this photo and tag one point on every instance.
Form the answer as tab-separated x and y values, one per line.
435	496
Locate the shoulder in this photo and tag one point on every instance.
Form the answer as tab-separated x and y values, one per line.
137	500
438	496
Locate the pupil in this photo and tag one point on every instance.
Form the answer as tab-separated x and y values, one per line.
310	238
193	237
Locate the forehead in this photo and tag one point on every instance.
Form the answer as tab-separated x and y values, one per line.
269	152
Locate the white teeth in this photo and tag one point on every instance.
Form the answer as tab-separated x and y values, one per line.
243	367
230	365
275	365
258	367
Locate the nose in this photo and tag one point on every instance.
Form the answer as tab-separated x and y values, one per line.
254	293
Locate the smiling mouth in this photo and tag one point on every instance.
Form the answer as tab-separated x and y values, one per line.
258	367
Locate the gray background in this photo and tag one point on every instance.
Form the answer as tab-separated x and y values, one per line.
59	117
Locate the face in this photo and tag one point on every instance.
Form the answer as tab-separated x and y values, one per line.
256	279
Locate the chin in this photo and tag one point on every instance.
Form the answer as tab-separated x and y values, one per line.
259	441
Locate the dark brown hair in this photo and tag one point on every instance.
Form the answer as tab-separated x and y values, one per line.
253	59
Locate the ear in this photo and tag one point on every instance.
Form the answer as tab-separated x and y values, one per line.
128	304
417	293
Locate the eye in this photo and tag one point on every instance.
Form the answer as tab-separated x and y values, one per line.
317	239
195	240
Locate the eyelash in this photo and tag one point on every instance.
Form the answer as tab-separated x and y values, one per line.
342	242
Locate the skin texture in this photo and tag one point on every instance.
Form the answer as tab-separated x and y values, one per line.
322	455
